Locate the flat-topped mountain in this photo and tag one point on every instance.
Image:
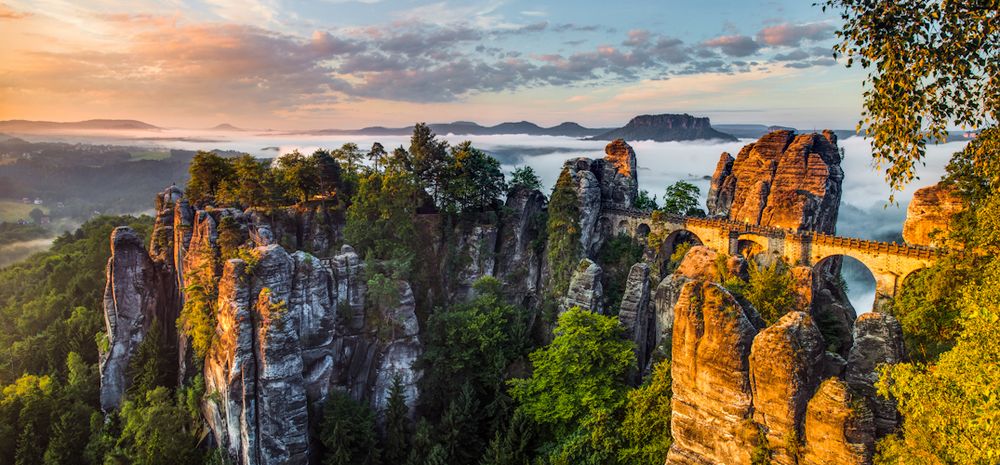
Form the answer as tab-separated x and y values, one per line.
469	128
18	125
665	128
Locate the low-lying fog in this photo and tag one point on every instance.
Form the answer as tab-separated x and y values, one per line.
865	212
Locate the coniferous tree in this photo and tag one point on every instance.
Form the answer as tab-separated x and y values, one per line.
396	442
348	432
514	446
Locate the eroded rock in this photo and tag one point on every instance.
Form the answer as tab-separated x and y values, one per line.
585	289
929	216
839	428
878	339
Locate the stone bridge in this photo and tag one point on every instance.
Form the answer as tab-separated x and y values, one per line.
889	263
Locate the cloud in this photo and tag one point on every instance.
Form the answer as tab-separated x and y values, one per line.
793	34
734	45
8	13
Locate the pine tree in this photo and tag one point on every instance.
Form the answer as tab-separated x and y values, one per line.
396	442
513	446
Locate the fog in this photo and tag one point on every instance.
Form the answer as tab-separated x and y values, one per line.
17	251
865	211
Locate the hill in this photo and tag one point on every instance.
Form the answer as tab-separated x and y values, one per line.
665	128
22	126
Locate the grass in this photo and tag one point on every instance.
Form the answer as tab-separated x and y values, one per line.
13	210
150	155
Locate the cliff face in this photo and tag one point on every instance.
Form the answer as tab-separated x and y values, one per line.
293	320
782	180
666	127
609	182
929	215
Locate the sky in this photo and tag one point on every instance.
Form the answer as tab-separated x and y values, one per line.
296	64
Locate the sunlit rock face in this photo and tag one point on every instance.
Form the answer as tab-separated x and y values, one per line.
838	427
783	180
929	216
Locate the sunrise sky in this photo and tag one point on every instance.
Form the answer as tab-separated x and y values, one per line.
339	63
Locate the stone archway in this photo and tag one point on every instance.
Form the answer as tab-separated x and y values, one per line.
857	281
677	239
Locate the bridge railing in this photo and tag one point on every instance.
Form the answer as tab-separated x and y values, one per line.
869	246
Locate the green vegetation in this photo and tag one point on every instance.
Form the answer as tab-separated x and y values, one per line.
563	233
348	432
13	232
616	257
524	177
931	65
770	288
681	198
644	202
581	372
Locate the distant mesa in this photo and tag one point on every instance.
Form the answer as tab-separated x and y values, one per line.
226	127
666	128
21	126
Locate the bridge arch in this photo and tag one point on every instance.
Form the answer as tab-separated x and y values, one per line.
863	284
751	245
674	239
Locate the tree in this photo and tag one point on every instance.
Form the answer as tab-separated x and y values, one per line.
36	215
524	177
681	198
514	446
350	155
645	428
770	288
930	64
380	220
582	371
476	181
563	232
429	160
396	441
377	155
70	430
348	432
298	175
328	172
471	345
644	202
152	365
155	430
208	172
949	405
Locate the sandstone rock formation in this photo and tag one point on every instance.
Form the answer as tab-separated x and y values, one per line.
786	365
782	180
929	215
609	182
878	339
585	289
636	313
130	306
838	428
520	252
712	399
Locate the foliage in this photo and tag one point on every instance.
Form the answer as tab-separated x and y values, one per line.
197	318
644	202
50	304
429	161
677	256
156	430
950	404
931	64
380	220
770	289
209	172
348	432
14	232
563	231
251	183
645	428
515	446
524	177
582	371
681	198
476	181
616	257
396	439
152	365
469	346
377	156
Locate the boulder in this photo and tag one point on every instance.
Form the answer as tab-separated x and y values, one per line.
929	216
839	428
712	400
786	366
585	289
878	339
